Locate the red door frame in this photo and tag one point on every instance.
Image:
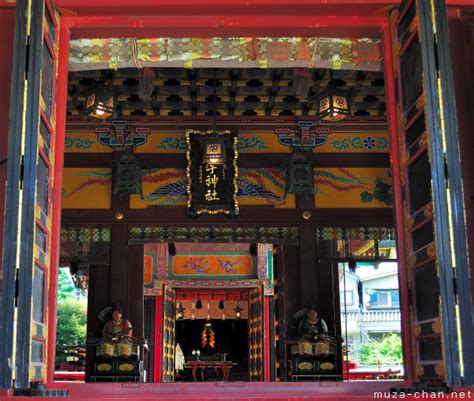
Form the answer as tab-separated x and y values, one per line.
266	330
176	25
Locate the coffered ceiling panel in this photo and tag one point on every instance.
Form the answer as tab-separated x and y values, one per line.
225	92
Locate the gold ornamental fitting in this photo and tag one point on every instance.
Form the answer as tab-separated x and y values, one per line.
119	215
306	215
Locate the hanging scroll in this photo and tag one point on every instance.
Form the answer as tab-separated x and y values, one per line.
212	172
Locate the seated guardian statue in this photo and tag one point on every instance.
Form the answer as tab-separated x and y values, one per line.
117	338
312	334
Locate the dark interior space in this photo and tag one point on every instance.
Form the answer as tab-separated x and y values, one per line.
231	338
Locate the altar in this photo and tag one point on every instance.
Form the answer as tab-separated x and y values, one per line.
223	366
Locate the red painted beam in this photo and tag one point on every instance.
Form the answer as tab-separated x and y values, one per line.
460	3
205	18
61	103
390	91
147	7
224	25
220	21
228	9
6	4
221	3
91	33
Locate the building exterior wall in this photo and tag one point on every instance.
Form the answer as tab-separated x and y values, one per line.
359	320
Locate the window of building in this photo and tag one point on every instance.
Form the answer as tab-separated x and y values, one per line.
348	299
383	298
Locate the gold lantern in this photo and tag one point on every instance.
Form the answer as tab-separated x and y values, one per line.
333	105
100	103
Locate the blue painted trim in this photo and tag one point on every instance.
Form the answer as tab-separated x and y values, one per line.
27	244
439	194
456	190
10	231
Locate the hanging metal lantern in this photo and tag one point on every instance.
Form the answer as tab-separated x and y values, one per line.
128	175
333	105
299	176
238	311
214	150
180	311
100	103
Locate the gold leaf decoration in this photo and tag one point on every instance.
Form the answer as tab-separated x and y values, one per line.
327	366
126	367
428	211
411	261
431	251
322	348
104	367
305	366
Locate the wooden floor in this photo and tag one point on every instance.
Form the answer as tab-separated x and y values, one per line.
237	391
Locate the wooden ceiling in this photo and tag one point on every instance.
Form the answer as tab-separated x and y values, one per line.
230	92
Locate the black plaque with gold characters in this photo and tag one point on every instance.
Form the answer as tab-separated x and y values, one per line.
212	172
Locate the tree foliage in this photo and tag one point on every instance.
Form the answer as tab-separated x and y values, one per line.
66	287
387	350
71	316
71	329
